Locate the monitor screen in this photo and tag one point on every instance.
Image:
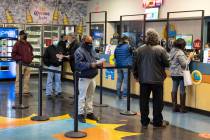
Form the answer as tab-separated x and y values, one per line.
152	13
188	39
8	33
97	35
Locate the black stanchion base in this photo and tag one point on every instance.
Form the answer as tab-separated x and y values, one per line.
20	106
73	134
128	113
100	105
40	118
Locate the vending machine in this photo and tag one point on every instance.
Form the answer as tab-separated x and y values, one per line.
8	37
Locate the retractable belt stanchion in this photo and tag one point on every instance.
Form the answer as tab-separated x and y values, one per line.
128	112
40	117
20	104
75	133
101	90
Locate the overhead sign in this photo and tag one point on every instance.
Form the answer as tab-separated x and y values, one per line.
152	3
8	33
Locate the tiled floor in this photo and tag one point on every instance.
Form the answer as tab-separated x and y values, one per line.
111	126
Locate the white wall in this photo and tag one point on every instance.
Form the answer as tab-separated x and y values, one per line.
116	8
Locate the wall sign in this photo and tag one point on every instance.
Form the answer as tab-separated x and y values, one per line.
8	33
196	77
42	14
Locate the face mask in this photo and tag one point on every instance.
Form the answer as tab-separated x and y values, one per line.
89	46
25	37
55	43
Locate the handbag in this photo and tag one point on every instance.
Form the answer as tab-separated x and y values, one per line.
187	76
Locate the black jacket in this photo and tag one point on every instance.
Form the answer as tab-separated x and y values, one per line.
70	50
150	63
50	58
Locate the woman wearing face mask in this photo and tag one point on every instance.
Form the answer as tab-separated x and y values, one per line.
52	58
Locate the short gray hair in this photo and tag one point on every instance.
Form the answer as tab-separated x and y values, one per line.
152	37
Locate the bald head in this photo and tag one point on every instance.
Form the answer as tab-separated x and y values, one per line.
88	40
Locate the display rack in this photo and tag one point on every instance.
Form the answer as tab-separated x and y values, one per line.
34	38
40	37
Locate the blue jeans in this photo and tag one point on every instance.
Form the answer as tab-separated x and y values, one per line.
49	85
122	77
178	81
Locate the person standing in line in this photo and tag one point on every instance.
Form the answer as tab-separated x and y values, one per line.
22	52
149	69
123	58
85	62
72	46
178	63
53	57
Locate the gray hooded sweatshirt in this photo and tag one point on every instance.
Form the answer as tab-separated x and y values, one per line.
178	62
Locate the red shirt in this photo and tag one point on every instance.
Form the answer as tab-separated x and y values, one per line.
22	51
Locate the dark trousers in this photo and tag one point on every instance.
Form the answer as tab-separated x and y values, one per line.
157	91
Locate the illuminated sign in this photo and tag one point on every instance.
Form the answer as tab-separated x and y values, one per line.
152	3
8	33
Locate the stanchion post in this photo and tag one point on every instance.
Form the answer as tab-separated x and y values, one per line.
128	112
20	104
40	117
101	90
75	133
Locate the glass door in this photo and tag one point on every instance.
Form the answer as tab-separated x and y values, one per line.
35	38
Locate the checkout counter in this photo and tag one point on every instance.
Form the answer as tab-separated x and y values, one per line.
198	96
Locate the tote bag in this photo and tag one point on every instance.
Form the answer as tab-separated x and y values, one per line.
187	76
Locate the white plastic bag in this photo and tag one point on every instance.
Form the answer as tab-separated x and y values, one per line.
187	76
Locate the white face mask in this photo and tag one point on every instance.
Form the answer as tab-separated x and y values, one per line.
55	42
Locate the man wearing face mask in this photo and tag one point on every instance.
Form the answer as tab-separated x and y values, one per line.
53	57
72	46
22	52
85	62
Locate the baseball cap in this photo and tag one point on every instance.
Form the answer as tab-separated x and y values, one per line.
22	32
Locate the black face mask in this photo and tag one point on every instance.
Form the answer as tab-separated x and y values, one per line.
24	37
89	46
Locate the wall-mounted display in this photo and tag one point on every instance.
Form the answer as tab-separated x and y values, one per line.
152	13
188	39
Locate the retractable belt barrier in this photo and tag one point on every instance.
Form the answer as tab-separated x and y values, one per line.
127	112
75	133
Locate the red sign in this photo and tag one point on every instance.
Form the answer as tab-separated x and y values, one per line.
197	44
152	3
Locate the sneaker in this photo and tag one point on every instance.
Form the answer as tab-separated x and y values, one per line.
49	97
91	116
59	95
81	118
163	125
